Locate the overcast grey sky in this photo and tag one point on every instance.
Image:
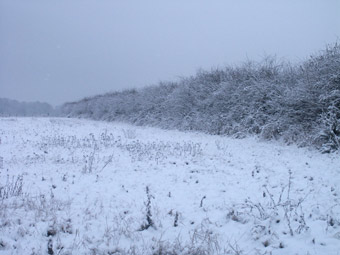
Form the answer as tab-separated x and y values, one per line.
63	50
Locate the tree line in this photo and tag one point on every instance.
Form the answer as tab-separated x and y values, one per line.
9	107
296	103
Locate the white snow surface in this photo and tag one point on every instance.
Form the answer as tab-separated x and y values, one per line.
70	186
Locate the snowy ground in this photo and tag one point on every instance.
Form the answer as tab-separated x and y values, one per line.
71	186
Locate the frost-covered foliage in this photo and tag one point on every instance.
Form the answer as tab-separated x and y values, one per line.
10	107
272	99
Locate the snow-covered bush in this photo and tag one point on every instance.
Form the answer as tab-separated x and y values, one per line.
272	99
330	134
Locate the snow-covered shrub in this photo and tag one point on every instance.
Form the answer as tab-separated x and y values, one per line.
272	215
330	134
271	98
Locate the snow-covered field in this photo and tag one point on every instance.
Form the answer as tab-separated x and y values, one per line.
70	186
